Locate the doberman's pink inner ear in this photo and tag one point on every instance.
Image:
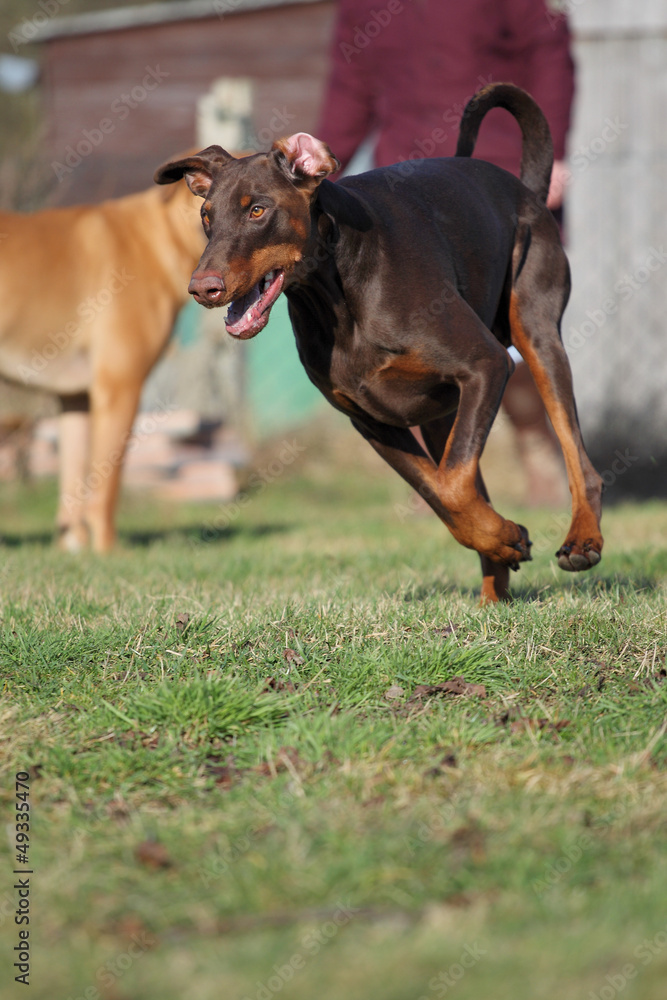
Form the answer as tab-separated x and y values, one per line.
199	182
307	155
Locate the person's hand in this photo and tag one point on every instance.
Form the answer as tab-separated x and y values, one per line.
560	178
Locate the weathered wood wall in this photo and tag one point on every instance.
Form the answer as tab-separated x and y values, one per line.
135	91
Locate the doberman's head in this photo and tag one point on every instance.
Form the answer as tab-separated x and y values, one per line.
257	217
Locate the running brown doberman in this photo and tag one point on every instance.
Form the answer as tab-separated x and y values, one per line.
405	286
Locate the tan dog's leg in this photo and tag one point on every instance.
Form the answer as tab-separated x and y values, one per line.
73	445
114	403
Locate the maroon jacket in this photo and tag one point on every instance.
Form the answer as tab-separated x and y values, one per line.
404	70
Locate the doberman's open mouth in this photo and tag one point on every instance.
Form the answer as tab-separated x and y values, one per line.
250	314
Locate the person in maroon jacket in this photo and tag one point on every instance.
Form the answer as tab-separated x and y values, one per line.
401	74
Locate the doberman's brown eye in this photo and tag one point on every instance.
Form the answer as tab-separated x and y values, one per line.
205	219
256	211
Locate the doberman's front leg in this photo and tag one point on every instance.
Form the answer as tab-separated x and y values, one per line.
495	575
453	487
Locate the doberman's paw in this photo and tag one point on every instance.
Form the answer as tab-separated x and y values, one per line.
522	547
515	547
575	558
502	542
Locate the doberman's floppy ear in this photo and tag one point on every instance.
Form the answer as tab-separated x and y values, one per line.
307	159
198	170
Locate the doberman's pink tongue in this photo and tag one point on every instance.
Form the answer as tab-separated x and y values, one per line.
249	314
241	312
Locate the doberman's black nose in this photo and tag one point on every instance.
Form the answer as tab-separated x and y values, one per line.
207	288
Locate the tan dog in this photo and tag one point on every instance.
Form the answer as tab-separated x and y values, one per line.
89	297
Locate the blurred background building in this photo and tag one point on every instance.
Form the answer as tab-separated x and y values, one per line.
615	328
124	88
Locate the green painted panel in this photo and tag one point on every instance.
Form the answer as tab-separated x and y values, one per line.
279	394
186	328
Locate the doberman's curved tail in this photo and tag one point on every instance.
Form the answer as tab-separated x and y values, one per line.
537	155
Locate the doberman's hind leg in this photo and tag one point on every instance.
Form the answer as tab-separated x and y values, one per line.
537	302
495	575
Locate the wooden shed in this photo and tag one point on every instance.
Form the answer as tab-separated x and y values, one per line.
122	86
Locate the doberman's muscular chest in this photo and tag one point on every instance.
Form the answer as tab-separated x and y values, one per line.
401	388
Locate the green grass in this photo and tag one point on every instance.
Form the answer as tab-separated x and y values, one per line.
236	793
